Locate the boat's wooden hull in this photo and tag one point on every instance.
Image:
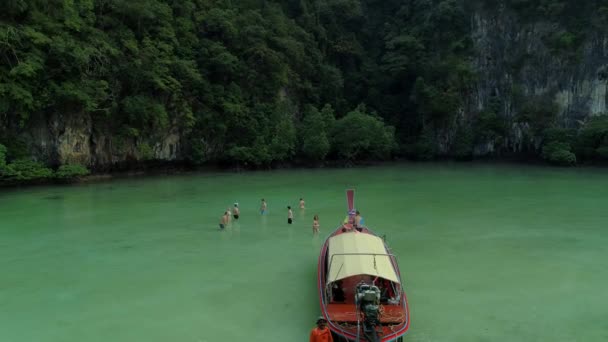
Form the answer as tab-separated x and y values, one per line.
342	317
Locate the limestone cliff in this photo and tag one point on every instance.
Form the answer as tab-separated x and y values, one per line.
59	139
515	61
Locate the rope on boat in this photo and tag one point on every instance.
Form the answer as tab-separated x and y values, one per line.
393	316
383	312
399	316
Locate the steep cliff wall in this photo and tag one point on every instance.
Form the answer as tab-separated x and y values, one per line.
74	139
518	61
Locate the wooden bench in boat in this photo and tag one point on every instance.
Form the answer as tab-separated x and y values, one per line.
391	314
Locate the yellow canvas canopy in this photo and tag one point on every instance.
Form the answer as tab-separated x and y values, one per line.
355	253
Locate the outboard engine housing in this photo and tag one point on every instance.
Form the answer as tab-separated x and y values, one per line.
367	298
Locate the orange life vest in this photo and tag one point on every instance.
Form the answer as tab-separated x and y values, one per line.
318	335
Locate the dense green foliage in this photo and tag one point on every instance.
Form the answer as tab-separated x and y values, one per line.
2	157
25	170
71	171
22	170
243	81
566	146
592	141
314	132
361	136
558	153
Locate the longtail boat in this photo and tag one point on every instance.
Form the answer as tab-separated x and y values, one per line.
360	287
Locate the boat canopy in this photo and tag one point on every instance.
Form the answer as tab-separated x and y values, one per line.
355	253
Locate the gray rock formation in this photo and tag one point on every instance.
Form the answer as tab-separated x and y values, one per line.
514	61
59	139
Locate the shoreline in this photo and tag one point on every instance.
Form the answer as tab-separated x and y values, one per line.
181	168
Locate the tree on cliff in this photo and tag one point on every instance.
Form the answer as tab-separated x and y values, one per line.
314	132
362	136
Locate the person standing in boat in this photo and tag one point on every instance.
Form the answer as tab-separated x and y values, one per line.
358	219
289	215
321	332
359	223
337	292
263	207
236	211
315	224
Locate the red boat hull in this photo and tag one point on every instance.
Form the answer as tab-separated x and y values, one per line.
342	317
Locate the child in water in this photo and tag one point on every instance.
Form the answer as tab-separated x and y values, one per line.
289	215
315	224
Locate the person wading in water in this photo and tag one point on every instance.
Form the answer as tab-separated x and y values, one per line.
263	207
224	220
236	211
229	213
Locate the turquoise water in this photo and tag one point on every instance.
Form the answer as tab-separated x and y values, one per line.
487	253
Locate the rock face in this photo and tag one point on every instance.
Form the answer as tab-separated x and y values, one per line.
514	60
74	139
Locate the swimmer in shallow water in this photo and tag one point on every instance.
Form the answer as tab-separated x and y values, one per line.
315	224
289	215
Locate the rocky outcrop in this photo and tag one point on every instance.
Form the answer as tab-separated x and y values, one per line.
514	61
74	139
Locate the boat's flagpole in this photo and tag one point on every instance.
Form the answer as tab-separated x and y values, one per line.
350	199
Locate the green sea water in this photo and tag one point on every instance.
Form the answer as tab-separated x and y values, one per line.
487	253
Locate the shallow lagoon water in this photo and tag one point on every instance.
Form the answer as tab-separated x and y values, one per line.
487	253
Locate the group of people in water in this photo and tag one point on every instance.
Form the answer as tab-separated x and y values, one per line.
228	214
321	332
235	213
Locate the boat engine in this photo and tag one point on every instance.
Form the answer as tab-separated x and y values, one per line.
367	298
